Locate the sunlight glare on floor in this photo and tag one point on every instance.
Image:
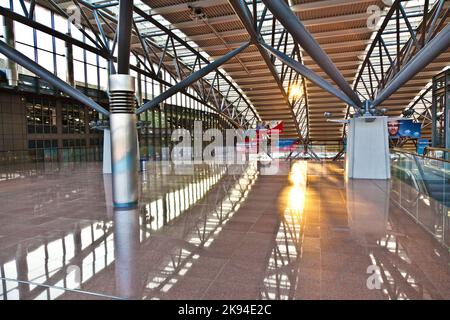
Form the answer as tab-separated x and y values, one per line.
298	178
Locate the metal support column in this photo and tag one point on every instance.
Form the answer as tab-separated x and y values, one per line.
123	117
8	31
124	36
440	110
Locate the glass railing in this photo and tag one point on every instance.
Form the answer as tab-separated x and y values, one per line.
327	151
437	153
421	187
23	163
318	152
50	155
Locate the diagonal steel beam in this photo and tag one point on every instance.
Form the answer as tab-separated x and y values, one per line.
241	9
191	79
38	26
24	8
89	24
32	66
66	15
101	30
107	54
32	8
172	37
425	56
309	74
199	57
290	21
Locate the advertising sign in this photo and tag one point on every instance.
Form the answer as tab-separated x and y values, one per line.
287	145
276	126
404	129
421	145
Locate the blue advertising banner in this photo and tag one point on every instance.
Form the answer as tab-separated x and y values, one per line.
404	129
421	145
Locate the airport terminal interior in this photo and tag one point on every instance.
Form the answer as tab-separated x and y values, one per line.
224	149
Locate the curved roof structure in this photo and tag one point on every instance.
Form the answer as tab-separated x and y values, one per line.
345	30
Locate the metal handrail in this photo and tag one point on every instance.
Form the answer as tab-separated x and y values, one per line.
418	155
437	149
26	156
421	172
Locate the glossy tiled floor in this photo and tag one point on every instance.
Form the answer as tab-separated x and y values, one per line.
217	233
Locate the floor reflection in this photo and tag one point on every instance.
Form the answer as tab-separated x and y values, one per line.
408	261
281	279
368	209
199	231
126	248
70	256
221	232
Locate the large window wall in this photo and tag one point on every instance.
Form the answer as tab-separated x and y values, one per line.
159	123
73	118
90	69
91	73
58	130
41	116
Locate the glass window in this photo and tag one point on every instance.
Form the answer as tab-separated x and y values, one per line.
41	116
73	119
78	64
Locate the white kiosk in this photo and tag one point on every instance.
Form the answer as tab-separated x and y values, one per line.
368	148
